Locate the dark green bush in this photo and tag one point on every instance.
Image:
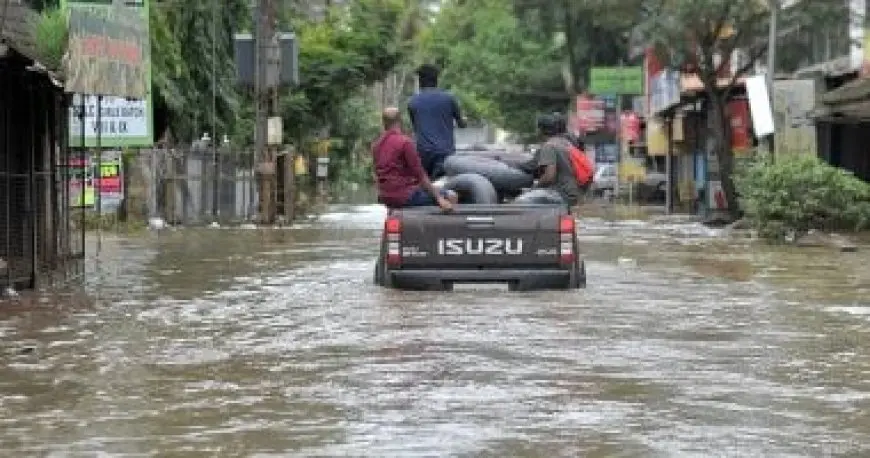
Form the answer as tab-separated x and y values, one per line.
798	193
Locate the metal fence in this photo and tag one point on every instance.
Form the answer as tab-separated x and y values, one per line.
41	236
198	186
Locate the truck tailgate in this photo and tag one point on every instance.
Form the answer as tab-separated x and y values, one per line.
481	236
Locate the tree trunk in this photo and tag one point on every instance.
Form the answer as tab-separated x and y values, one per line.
721	132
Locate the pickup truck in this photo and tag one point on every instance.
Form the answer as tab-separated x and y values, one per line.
527	247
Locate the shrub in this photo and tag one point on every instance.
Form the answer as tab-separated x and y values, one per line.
798	193
52	35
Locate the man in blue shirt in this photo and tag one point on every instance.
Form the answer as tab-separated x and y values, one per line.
432	112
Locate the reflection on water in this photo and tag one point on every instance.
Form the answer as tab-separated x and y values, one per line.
227	342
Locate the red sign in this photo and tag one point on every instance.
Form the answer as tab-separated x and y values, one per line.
738	114
590	113
629	121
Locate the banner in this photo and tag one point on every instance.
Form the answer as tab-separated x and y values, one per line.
738	115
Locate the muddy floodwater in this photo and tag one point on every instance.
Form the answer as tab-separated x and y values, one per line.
222	342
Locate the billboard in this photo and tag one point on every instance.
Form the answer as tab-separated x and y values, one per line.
110	37
616	80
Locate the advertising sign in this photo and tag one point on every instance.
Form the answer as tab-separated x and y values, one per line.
590	113
616	80
741	138
110	54
629	122
662	84
87	178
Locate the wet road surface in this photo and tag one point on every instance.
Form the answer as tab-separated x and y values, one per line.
218	342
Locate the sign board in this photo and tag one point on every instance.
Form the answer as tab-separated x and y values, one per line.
274	130
616	80
590	113
87	178
606	153
631	171
759	105
664	91
126	121
109	50
794	100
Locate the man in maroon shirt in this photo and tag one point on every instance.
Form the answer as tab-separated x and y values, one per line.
401	179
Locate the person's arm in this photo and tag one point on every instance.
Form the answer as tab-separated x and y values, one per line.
412	158
457	114
548	159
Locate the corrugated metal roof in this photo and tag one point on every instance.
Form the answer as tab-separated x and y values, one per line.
853	91
18	27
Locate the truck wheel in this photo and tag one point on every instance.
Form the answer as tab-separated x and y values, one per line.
379	273
579	277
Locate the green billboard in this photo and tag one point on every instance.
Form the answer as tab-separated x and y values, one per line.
616	80
110	55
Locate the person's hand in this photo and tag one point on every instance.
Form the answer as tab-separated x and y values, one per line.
445	204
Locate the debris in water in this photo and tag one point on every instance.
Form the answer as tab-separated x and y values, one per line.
626	262
156	224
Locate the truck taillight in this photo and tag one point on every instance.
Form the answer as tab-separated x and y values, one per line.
393	232
566	239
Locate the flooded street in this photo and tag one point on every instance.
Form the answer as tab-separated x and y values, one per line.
219	342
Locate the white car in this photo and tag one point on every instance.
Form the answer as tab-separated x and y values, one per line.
604	182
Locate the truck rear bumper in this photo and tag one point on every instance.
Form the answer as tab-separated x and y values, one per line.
517	279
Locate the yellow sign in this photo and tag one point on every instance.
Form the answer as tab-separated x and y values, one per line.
631	171
300	166
321	148
656	137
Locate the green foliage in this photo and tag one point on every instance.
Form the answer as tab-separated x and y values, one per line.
355	46
192	58
52	37
508	60
797	193
689	33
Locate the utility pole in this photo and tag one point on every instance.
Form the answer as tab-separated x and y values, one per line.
771	60
266	96
267	61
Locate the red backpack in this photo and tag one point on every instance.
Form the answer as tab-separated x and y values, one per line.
581	165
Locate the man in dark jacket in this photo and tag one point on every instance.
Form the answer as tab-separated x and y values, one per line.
400	177
433	112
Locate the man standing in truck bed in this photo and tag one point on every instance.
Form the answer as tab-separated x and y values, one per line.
433	112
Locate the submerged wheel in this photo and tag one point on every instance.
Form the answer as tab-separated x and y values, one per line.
579	277
378	274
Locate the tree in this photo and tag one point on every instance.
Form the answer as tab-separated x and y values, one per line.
508	60
192	55
693	35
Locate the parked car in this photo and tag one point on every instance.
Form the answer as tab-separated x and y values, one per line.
604	183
